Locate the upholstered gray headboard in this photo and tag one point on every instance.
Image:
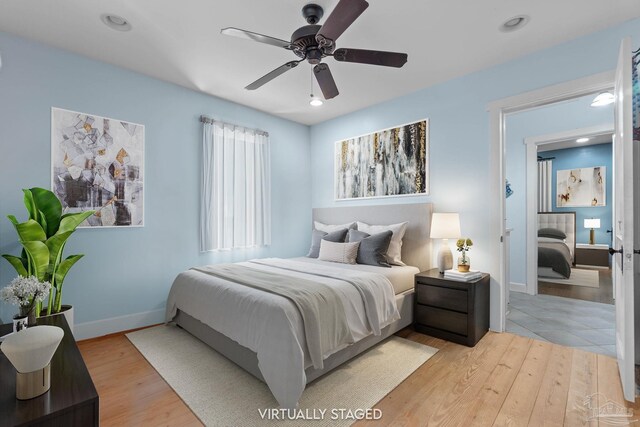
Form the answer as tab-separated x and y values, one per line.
416	246
563	221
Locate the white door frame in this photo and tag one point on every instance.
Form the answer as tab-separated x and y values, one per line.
532	143
498	110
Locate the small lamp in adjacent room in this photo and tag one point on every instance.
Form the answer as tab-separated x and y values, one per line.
30	352
592	223
445	226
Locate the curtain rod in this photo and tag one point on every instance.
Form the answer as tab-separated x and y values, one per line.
542	159
205	119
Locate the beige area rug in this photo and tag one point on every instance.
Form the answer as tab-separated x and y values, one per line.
222	394
579	277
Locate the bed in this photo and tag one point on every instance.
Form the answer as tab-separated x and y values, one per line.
556	244
264	334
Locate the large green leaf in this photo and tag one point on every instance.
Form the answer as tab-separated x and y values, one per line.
48	204
17	263
30	204
39	256
30	231
55	244
69	222
64	268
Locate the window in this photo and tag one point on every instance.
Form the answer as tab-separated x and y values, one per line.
236	187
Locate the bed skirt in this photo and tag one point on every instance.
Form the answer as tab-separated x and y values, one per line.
248	360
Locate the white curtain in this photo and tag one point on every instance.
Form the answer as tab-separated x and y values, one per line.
236	187
544	186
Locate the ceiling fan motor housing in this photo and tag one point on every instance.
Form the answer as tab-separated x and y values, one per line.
312	13
305	45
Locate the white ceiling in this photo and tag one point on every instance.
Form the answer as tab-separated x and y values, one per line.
571	143
180	42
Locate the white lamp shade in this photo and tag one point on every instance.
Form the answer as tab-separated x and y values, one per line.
592	223
33	348
445	226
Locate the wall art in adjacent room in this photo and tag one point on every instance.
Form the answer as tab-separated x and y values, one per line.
389	162
581	187
98	164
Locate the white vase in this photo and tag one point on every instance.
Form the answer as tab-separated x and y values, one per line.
67	311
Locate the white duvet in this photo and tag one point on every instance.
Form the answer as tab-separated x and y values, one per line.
270	325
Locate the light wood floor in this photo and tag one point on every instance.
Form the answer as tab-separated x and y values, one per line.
504	380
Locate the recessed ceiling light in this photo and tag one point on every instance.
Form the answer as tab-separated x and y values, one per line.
605	98
515	23
115	22
581	140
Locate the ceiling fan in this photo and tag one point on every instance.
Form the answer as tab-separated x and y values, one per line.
314	42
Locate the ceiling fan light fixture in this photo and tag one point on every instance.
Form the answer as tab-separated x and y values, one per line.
515	23
604	98
582	140
315	101
115	22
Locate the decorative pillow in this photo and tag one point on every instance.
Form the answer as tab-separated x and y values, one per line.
317	236
345	253
394	253
552	233
372	248
328	228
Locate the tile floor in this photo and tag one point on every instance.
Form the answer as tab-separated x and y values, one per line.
575	323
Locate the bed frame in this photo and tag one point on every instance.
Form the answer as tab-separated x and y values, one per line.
416	250
563	221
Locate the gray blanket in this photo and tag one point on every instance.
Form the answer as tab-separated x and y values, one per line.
554	259
323	314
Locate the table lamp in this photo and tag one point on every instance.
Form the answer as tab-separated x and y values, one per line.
445	226
592	223
30	352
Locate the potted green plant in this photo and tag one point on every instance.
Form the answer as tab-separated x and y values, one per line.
43	237
464	262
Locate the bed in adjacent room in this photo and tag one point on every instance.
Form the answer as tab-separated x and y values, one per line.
338	311
556	244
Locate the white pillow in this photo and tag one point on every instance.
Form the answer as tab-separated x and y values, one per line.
550	240
345	253
330	228
394	253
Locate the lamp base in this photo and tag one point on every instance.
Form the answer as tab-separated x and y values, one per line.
445	257
592	237
33	384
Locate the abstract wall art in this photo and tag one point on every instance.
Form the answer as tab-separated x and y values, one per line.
390	162
581	187
98	164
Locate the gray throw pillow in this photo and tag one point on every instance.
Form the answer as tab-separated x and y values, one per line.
317	236
552	233
372	248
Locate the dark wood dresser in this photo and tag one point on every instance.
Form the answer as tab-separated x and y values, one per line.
452	310
72	399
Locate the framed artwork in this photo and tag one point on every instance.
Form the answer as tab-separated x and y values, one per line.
582	187
98	164
387	163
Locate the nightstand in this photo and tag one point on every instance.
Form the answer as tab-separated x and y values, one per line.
451	310
595	255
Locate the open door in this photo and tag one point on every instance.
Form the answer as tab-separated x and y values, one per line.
623	220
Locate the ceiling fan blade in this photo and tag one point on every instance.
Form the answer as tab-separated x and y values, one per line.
261	38
373	57
342	16
272	75
325	81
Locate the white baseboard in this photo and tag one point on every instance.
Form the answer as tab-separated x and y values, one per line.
97	328
518	287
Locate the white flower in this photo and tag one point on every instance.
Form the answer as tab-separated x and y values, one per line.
23	290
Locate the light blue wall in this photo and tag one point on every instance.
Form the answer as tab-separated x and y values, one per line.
560	117
584	157
130	270
460	161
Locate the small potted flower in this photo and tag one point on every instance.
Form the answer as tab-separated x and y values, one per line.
26	293
464	262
